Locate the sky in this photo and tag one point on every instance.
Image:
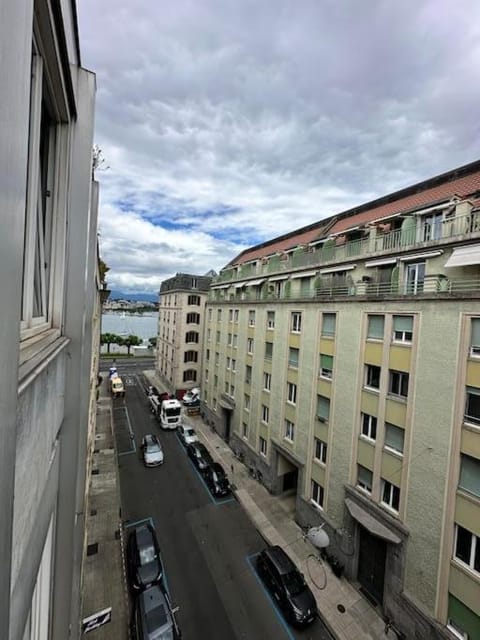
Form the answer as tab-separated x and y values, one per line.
225	123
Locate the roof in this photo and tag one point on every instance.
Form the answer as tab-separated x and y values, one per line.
461	182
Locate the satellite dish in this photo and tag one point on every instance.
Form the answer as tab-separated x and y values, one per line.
318	537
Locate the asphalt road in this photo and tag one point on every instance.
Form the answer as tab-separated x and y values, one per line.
208	547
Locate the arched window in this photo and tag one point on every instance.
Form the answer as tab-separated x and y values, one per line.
191	336
190	356
193	318
189	375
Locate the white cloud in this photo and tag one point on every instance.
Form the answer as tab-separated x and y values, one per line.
227	123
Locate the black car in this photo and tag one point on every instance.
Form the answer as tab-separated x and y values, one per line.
216	480
287	585
144	563
199	455
153	616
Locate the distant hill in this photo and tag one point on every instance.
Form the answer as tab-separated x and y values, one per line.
135	297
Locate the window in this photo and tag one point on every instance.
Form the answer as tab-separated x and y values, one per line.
245	430
230	315
472	408
206	375
267	381
229	340
372	376
232	390
217	358
214	404
293	355
217	337
235	315
432	227
189	375
364	478
289	433
394	437
195	300
296	322
193	318
265	413
248	374
228	363
326	366
375	327
475	337
234	365
415	277
369	426
323	408
194	283
43	213
317	494
235	340
328	324
320	451
250	345
469	475
226	387
191	336
209	334
219	315
215	381
268	350
210	315
390	495
246	402
398	384
402	328
262	446
190	356
251	318
270	319
467	548
291	393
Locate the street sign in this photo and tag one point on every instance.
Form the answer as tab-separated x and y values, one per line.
96	620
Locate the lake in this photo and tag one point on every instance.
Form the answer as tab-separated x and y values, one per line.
144	326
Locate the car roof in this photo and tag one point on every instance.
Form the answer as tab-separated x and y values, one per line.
279	559
157	614
145	534
217	467
151	438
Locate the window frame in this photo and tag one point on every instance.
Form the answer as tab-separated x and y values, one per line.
360	483
393	496
474	550
317	500
320	453
270	320
267	378
368	426
296	322
326	372
402	375
291	393
265	414
262	446
289	430
332	317
369	368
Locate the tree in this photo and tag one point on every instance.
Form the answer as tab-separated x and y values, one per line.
131	341
103	268
108	339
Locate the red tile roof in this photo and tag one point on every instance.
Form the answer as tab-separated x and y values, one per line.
462	182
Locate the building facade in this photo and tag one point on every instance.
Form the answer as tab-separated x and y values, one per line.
180	331
49	318
343	361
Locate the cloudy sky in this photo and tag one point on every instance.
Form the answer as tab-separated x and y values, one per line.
228	122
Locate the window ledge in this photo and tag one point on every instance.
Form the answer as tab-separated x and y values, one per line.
401	399
368	440
37	355
393	452
465	568
467	495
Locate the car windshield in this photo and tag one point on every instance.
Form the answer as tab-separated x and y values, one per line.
156	619
147	555
172	412
294	583
153	447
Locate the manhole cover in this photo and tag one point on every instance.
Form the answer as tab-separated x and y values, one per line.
341	608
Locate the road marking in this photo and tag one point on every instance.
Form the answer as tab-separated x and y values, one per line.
278	613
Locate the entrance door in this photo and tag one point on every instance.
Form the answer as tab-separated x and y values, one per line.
371	564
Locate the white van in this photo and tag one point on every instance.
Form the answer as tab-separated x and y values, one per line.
170	414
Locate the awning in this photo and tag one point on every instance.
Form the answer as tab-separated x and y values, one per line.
305	274
275	278
419	256
345	267
380	263
254	283
375	527
220	286
464	256
239	285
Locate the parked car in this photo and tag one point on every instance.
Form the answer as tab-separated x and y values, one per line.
187	434
287	585
199	455
153	616
191	398
144	563
152	451
216	480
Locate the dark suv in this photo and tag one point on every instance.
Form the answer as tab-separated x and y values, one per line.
153	616
144	564
217	480
199	455
287	585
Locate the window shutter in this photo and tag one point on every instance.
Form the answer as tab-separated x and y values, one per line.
326	362
403	323
376	327
328	326
470	475
364	476
475	341
394	437
323	407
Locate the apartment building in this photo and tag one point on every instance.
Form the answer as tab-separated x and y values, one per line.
343	361
180	330
49	317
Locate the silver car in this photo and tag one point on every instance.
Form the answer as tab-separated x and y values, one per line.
152	451
187	434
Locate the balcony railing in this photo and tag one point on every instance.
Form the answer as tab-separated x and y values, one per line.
420	235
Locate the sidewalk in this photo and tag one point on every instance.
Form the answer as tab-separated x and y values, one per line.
273	517
103	580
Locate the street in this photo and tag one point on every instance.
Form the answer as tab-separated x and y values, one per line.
208	546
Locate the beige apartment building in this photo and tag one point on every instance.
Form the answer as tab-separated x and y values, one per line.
343	361
180	331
